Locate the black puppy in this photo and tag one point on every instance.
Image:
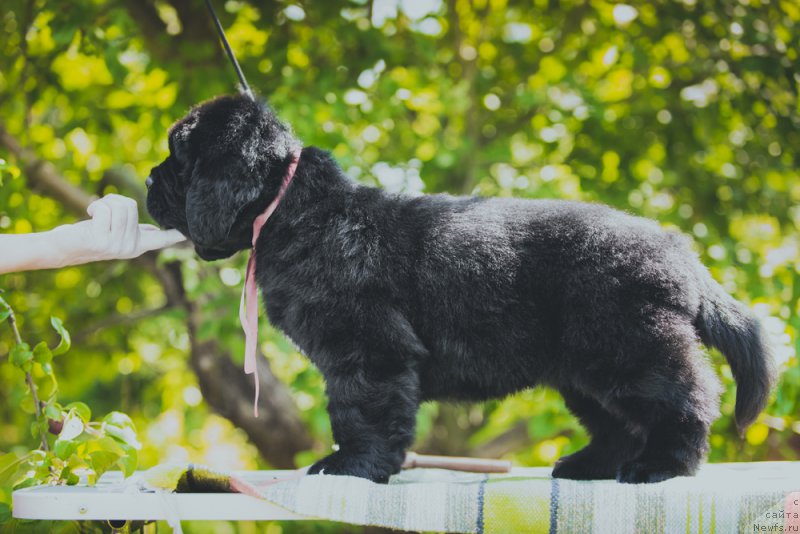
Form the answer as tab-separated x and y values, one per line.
399	300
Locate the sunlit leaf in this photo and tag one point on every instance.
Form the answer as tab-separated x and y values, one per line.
63	449
73	427
53	411
119	419
21	354
42	353
10	463
66	342
81	409
102	461
123	435
129	461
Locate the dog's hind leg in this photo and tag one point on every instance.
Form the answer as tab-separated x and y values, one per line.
373	417
644	363
678	438
613	441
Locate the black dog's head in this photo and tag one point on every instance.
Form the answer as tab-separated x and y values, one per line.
227	159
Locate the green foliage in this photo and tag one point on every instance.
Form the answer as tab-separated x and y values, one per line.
65	342
684	111
3	169
71	445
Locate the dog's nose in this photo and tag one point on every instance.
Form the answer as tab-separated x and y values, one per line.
148	182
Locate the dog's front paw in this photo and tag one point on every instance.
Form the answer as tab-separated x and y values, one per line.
356	465
585	464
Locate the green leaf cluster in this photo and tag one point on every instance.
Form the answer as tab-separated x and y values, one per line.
72	447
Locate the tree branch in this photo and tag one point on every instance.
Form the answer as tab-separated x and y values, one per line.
12	321
116	320
195	23
127	184
153	29
42	176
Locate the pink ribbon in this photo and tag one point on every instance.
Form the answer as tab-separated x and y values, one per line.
248	306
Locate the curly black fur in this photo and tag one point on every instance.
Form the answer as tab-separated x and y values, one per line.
399	300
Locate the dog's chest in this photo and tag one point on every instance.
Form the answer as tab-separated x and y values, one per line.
319	285
301	307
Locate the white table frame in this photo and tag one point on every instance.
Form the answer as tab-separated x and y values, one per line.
108	500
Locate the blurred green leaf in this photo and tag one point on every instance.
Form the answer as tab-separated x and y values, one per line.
42	353
5	509
81	409
123	435
129	461
108	445
10	463
73	427
120	420
64	448
53	411
66	342
102	461
21	354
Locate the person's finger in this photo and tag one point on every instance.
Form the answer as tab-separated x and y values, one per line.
119	218
101	216
148	228
130	236
152	240
92	205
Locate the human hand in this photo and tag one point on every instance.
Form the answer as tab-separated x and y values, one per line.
113	232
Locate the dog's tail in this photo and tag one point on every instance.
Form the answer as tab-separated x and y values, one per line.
727	325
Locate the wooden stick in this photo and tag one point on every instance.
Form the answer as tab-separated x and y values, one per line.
456	463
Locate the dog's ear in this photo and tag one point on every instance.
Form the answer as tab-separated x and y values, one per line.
218	194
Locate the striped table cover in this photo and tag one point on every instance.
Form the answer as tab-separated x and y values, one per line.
722	498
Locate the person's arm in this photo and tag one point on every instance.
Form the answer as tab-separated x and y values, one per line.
113	232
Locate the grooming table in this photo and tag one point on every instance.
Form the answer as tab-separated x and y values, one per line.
737	497
111	499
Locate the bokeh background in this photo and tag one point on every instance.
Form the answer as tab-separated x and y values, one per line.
683	111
